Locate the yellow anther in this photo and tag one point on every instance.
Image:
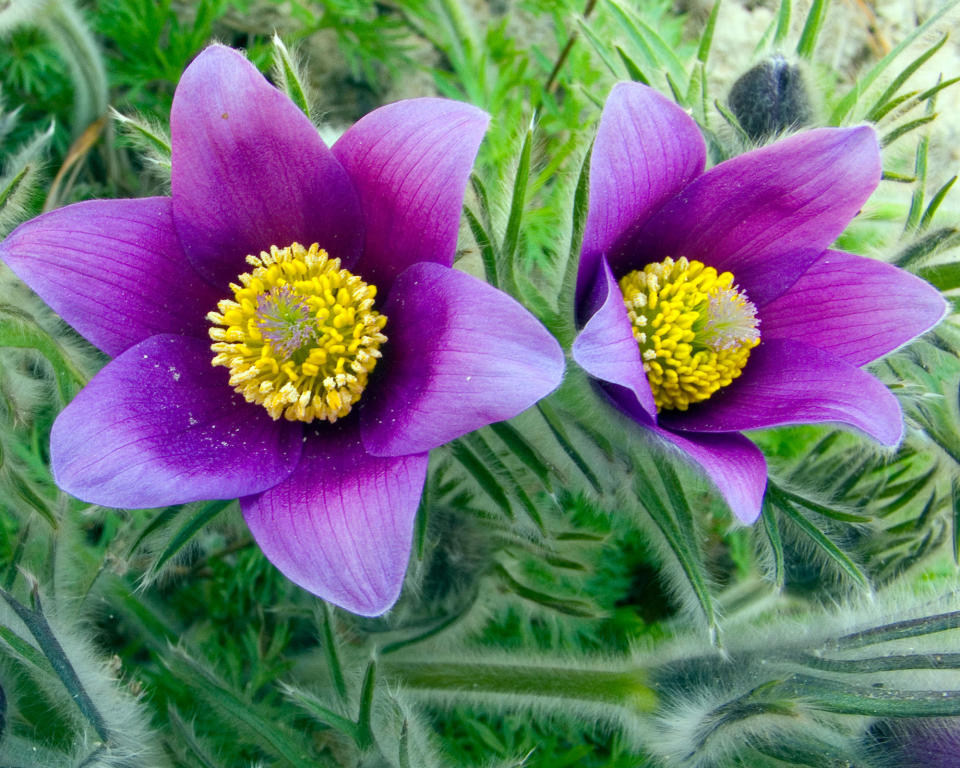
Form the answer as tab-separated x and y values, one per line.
283	334
695	329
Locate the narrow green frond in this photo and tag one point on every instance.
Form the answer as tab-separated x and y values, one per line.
902	78
772	529
899	630
149	136
852	97
290	75
563	604
19	330
731	120
783	23
601	50
518	198
903	130
485	245
325	617
560	435
927	218
884	109
823	509
920	168
158	521
188	745
930	92
485	478
941	239
955	519
819	538
899	178
633	71
658	53
36	623
320	712
706	37
811	28
24	492
13	564
249	722
945	276
564	328
20	179
891	663
8	120
365	713
675	90
179	532
404	749
675	524
506	478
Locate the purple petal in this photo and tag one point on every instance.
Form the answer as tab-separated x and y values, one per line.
647	149
789	382
920	743
734	464
410	162
250	171
607	350
767	215
159	425
341	525
113	269
459	355
857	308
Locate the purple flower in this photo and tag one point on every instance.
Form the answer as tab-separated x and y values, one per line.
354	343
917	743
710	302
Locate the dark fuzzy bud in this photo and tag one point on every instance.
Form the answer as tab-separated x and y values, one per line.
770	98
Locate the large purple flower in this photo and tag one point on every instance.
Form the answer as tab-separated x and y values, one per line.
918	743
345	346
710	302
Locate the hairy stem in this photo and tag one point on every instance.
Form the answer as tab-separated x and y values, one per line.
64	25
626	687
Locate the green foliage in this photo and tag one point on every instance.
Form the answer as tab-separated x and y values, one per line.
153	43
35	79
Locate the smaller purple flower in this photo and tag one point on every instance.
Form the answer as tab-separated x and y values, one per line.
917	743
344	346
710	303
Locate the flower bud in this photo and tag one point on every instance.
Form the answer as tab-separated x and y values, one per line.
770	98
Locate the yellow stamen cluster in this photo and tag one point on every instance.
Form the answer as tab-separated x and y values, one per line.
300	335
694	327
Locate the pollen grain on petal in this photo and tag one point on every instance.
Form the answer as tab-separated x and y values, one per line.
300	335
694	327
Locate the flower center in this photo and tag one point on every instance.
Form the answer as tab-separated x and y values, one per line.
300	335
694	327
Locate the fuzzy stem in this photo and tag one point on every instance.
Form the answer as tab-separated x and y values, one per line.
462	35
36	623
622	688
65	27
